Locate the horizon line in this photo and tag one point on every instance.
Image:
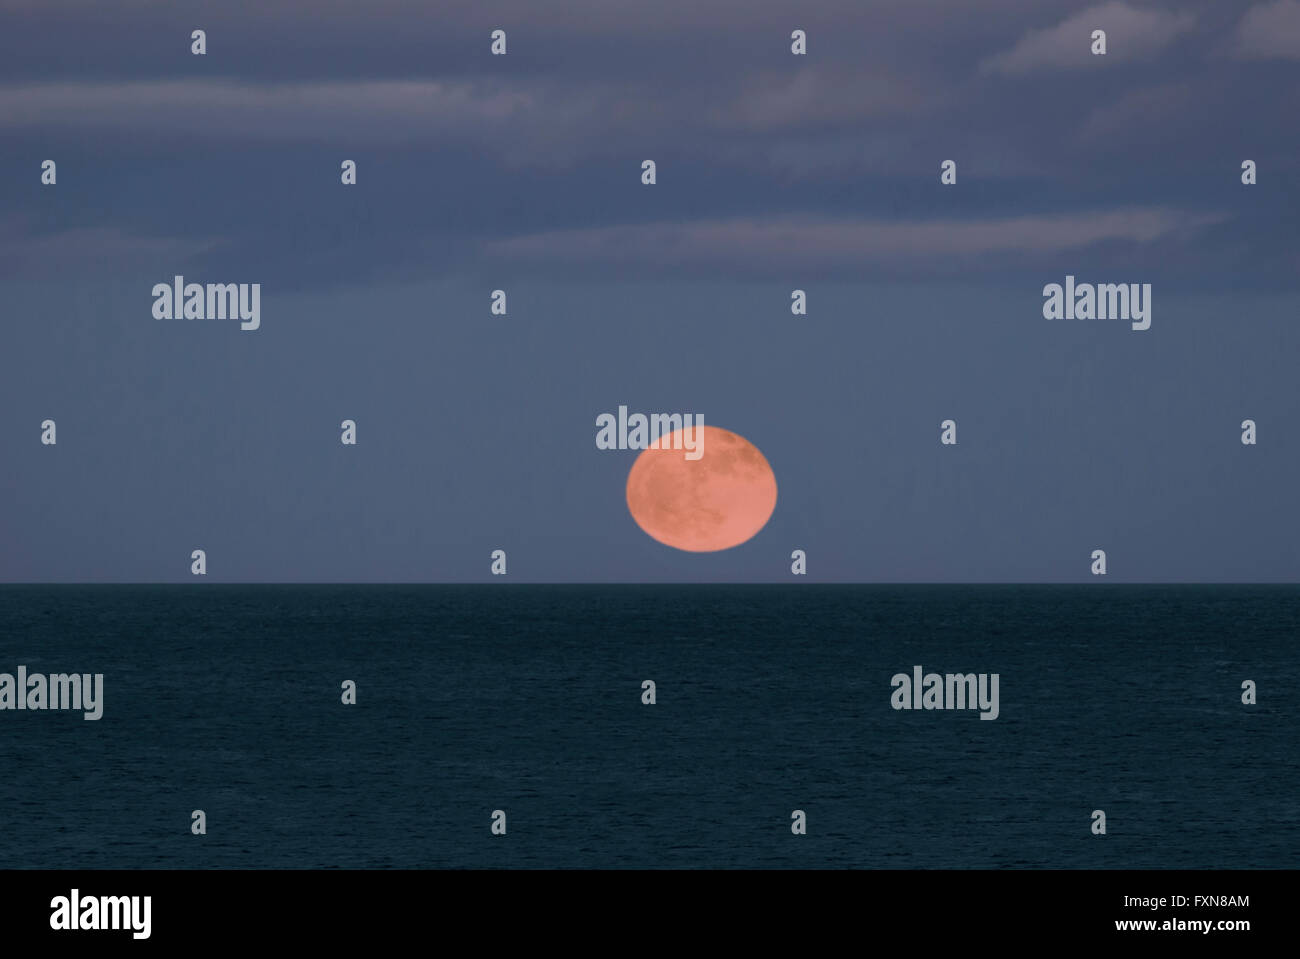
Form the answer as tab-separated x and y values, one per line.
653	583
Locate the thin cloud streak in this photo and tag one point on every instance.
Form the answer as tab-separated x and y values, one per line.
780	242
1131	33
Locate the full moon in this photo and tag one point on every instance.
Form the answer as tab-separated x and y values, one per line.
715	502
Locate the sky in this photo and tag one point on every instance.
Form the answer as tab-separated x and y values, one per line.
522	172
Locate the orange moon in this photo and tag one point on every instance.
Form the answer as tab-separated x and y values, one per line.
715	502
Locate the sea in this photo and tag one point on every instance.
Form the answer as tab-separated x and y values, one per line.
525	706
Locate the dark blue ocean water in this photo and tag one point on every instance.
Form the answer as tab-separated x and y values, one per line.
770	699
